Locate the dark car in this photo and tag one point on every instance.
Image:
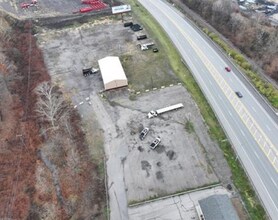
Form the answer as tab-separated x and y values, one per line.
136	27
128	24
155	143
142	37
89	71
239	94
155	50
228	69
143	133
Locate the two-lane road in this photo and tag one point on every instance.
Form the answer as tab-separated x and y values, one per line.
253	133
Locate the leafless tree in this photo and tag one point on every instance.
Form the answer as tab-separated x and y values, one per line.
51	106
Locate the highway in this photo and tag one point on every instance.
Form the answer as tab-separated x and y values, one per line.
251	129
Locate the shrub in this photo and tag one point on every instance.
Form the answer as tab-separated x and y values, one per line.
245	65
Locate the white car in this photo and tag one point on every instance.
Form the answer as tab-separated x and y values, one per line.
143	133
155	143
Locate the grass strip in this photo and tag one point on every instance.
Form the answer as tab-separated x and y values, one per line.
239	177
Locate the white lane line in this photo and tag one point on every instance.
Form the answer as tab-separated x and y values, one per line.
229	113
219	97
242	132
268	128
273	181
256	155
253	109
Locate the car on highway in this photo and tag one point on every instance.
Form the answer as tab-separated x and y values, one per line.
143	133
228	69
155	143
239	94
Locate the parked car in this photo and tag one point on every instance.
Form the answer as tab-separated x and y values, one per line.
89	71
143	133
155	50
239	94
142	37
155	143
128	24
136	27
228	69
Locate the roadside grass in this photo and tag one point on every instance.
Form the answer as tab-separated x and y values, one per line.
189	127
239	177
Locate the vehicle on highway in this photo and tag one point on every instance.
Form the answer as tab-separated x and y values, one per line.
239	94
143	133
155	143
228	69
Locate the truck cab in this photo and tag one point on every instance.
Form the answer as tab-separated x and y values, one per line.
152	114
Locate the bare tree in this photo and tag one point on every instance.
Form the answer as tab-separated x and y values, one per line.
51	106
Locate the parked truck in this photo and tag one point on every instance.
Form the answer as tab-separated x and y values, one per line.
155	113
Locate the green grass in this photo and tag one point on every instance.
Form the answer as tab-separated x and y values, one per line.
189	127
239	177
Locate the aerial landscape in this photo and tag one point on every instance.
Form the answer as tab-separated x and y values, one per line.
138	109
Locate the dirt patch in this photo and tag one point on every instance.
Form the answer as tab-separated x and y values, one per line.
171	155
159	175
145	165
141	149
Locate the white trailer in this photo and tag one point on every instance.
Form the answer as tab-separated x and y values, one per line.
155	113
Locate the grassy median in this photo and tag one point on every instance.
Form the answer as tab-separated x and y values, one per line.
240	179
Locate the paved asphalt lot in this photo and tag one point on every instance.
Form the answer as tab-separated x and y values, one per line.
249	127
176	207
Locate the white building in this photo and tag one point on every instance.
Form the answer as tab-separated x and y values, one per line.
112	72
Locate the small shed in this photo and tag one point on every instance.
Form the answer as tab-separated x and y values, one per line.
112	72
218	207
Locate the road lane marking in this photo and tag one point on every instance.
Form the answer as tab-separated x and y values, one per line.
268	128
256	155
219	97
253	109
273	181
242	133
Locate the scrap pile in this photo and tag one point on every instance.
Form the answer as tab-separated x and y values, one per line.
94	5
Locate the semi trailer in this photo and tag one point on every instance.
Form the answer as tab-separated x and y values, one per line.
155	113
